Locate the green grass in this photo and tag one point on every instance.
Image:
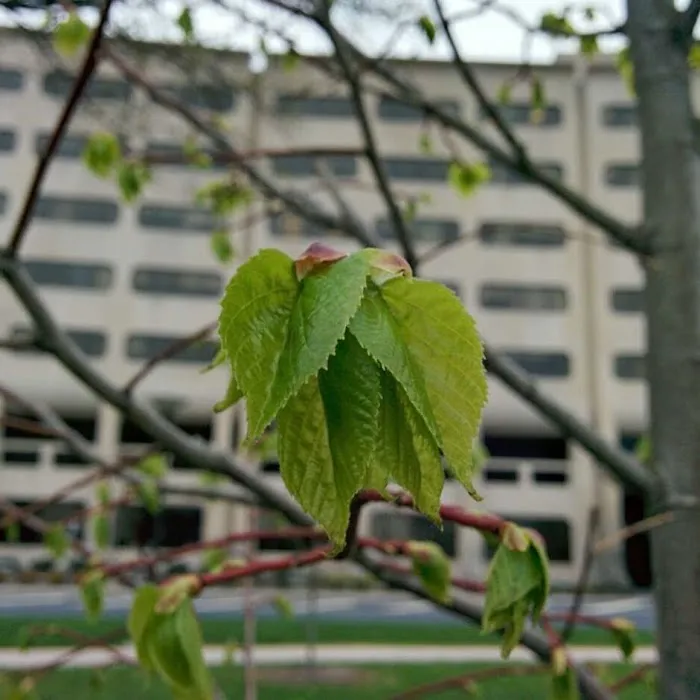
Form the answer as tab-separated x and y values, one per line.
283	631
380	683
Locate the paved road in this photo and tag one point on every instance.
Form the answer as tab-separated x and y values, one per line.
378	606
297	654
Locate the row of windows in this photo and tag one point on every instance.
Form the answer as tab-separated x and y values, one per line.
151	280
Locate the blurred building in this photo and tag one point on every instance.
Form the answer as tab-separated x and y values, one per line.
126	281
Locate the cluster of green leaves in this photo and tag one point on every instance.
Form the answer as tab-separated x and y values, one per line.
369	373
517	585
168	640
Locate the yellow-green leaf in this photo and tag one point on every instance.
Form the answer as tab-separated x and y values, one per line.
57	541
153	465
431	565
132	177
184	21
100	531
465	178
70	35
233	396
221	246
92	585
427	26
102	153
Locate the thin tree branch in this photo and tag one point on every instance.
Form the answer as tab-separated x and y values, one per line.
631	678
69	108
635	529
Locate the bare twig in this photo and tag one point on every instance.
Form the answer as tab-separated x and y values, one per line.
636	529
631	678
69	108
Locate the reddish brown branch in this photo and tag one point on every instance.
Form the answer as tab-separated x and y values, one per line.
631	678
81	81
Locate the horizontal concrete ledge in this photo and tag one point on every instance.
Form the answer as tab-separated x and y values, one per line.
326	654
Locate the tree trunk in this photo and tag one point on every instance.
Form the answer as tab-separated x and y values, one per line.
671	177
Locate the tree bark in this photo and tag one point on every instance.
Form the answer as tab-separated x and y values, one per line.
671	184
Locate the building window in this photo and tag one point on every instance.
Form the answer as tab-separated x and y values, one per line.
501	174
428	230
175	155
421	169
52	513
3	202
522	114
623	175
521	234
522	297
402	526
177	218
216	99
394	110
542	364
8	140
11	79
556	532
92	343
306	166
630	366
70	146
59	84
152	280
146	347
627	301
170	527
326	107
94	211
50	273
619	115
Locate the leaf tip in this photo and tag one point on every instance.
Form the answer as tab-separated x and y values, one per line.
317	255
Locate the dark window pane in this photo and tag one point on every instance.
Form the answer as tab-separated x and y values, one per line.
177	218
328	107
145	347
501	174
522	114
291	225
542	364
184	282
95	211
11	79
630	366
618	115
51	514
341	166
71	145
528	447
623	175
550	477
417	168
217	99
59	84
64	274
19	458
70	459
526	298
627	300
521	234
8	140
502	476
400	526
555	532
170	527
391	109
430	230
92	343
3	202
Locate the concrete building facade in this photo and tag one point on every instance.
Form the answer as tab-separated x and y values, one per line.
126	280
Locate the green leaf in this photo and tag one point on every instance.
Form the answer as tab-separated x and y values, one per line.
465	178
537	99
224	197
233	396
149	495
431	565
589	45
556	25
480	455
504	92
142	610
101	531
642	449
694	56
622	631
92	591
102	493
283	607
132	177
425	144
443	341
153	465
214	559
57	541
517	587
12	532
623	61
184	21
70	36
221	246
102	153
565	687
306	463
427	26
